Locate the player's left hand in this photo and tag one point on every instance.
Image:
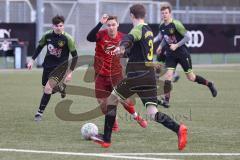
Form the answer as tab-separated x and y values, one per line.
68	77
173	46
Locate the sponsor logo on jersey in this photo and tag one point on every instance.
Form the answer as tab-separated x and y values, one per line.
109	49
170	39
54	51
107	41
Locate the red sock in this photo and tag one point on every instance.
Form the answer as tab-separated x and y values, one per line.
129	106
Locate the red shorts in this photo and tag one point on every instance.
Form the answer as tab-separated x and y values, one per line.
104	84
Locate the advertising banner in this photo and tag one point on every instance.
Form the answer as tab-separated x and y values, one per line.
206	38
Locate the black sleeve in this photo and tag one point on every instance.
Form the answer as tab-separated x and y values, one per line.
92	35
127	41
37	52
74	60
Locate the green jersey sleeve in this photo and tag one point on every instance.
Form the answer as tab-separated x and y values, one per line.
71	42
136	32
43	41
180	28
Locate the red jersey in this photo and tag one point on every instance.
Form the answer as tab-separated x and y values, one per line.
106	63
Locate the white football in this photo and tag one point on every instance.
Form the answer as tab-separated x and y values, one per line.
88	130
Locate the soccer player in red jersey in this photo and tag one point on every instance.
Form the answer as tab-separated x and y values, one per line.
107	66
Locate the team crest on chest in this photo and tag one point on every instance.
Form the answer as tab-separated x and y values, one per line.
61	43
171	30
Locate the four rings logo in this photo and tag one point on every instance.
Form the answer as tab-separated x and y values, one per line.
196	39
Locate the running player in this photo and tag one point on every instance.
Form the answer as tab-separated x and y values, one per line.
108	70
59	44
174	37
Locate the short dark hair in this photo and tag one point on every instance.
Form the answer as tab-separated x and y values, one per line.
112	18
138	10
166	6
57	19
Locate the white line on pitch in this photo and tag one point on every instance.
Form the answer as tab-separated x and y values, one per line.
106	155
179	154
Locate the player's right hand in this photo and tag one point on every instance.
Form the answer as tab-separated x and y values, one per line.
159	50
104	18
30	64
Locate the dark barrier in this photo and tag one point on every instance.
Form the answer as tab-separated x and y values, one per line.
209	38
19	34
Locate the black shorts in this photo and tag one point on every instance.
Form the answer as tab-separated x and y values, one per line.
161	58
181	56
55	73
143	84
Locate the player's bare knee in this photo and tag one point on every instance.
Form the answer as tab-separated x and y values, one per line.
103	104
191	77
102	100
112	99
48	89
168	76
151	111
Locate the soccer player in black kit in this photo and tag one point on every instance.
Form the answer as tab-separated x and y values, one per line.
55	65
174	36
140	80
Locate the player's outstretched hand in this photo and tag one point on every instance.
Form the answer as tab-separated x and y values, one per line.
119	51
30	64
104	18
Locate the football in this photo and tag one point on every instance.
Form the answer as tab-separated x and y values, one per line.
88	130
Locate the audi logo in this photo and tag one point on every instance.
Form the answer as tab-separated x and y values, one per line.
196	39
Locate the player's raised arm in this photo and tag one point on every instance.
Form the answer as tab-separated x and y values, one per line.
38	50
92	35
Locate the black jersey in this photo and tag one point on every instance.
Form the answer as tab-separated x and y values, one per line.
173	32
142	49
58	48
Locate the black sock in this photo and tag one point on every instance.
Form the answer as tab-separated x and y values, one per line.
109	122
201	80
166	121
167	86
44	101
